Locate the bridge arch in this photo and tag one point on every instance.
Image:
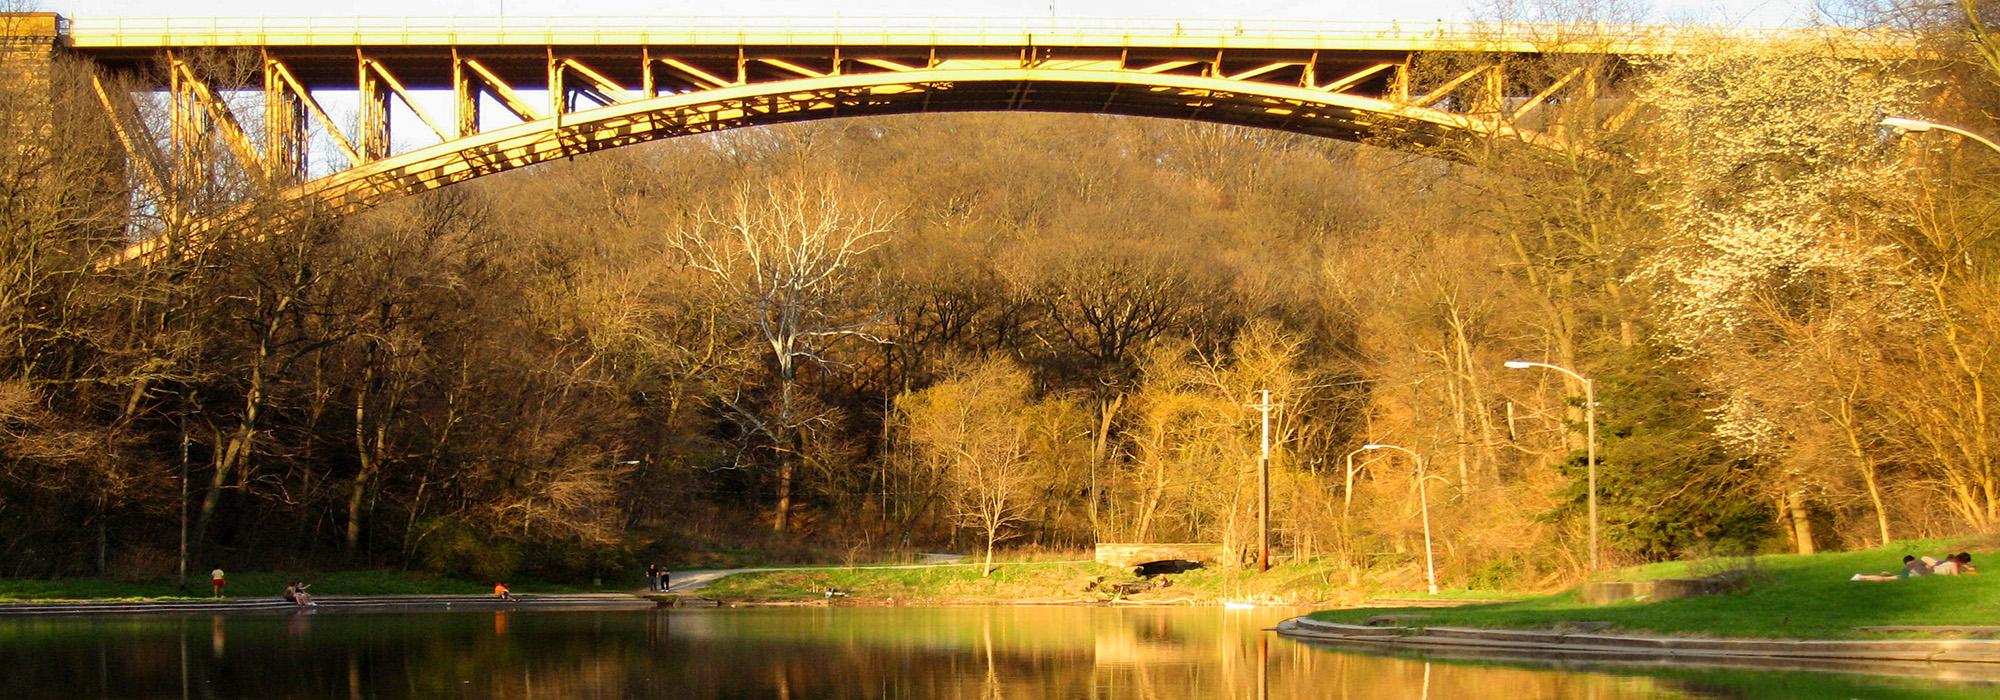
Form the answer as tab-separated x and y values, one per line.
1313	112
1129	93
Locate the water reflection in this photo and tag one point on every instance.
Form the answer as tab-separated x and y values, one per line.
995	653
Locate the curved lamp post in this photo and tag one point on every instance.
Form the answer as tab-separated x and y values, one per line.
1590	440
1917	126
1424	502
1347	497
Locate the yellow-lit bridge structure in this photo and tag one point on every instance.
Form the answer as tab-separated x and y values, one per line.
528	90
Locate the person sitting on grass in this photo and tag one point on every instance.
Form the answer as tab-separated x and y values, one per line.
500	591
296	593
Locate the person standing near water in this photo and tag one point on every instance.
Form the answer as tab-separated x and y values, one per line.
653	577
215	582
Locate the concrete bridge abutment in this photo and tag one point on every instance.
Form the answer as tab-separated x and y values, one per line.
28	43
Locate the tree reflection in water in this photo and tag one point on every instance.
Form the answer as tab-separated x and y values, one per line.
996	653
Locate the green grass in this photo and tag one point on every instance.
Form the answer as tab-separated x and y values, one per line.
1789	596
264	584
1459	594
1292	583
1009	581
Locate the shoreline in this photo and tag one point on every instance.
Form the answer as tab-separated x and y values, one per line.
556	602
169	606
1500	642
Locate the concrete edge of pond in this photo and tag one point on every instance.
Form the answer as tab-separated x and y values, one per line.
354	603
1985	653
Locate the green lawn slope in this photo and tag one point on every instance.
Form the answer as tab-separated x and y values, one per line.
1787	597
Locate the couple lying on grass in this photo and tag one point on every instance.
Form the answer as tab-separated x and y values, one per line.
1953	565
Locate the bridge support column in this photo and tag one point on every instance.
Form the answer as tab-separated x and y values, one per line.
374	99
28	43
284	126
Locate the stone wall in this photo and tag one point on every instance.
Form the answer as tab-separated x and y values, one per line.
27	43
1127	554
1603	592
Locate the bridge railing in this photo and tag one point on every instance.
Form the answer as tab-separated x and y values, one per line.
86	32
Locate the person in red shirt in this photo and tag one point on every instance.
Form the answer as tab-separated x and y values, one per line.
500	591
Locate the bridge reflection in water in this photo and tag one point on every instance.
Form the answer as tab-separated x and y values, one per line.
989	652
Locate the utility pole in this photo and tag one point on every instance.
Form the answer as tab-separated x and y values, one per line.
1264	483
1589	437
181	576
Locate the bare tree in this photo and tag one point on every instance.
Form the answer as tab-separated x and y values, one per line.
787	256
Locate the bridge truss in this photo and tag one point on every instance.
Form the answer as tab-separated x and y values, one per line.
529	90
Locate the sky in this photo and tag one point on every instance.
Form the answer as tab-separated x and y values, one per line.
1723	12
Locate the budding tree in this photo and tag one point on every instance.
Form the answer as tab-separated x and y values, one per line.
976	430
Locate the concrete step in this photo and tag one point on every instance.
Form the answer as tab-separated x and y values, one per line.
1977	651
566	600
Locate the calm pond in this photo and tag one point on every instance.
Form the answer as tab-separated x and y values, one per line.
999	652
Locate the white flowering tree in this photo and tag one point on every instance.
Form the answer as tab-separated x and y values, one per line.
1770	170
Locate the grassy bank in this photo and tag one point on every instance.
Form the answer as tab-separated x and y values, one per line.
1787	596
1287	584
1013	580
266	584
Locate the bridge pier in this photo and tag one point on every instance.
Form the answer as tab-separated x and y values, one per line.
28	42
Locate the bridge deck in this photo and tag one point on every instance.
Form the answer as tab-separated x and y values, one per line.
112	32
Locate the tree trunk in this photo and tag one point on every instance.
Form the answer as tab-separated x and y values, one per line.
782	521
238	452
1099	457
103	543
355	494
1801	522
1866	465
1875	498
367	468
992	535
1458	426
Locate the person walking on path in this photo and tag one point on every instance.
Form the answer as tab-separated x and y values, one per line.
653	577
666	581
215	583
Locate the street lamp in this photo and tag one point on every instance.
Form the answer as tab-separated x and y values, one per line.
1424	503
1347	497
1590	440
1917	126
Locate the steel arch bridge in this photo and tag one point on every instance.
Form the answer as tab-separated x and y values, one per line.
528	90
